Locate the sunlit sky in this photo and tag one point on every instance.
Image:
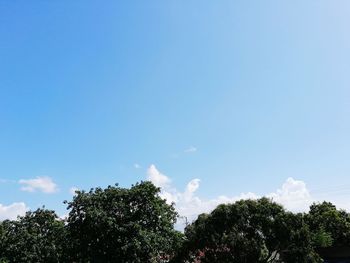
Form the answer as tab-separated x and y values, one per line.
241	95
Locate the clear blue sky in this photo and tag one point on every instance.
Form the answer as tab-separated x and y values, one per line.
89	88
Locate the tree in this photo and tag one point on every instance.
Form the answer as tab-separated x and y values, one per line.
329	225
38	236
122	225
298	245
248	231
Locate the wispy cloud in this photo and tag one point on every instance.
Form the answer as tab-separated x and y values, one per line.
43	184
137	166
4	181
191	149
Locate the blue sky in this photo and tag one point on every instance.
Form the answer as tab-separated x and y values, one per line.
259	90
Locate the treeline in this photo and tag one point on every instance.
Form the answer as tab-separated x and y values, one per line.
136	225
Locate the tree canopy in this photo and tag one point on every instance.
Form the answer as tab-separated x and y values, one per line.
121	225
135	224
329	225
39	236
248	231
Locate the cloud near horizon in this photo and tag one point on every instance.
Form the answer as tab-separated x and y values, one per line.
157	178
73	190
12	211
293	195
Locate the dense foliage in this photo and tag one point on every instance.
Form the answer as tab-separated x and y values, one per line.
328	225
248	231
121	225
39	236
136	225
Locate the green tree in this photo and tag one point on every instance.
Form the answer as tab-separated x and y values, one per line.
122	225
248	231
297	240
38	236
329	225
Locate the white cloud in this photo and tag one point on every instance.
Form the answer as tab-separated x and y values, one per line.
137	166
72	190
293	195
44	184
12	211
64	216
157	178
191	149
192	186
